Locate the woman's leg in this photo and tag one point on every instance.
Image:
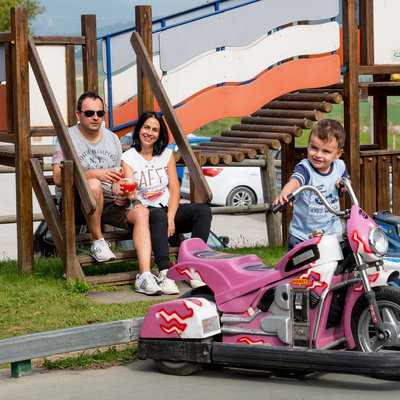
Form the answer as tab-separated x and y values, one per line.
159	236
195	218
139	218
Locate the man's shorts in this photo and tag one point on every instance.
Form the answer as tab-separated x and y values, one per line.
112	214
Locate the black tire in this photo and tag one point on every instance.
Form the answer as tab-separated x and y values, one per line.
241	196
181	368
388	299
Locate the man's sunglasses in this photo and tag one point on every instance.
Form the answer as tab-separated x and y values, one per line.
90	113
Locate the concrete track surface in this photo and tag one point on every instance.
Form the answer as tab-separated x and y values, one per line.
142	380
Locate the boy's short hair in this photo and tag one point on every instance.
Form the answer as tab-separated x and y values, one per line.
328	129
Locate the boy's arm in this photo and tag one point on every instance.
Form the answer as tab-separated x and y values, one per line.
292	185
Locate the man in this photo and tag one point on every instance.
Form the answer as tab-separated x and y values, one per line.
99	151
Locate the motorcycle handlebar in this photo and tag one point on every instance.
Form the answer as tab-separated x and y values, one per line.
278	207
321	197
344	182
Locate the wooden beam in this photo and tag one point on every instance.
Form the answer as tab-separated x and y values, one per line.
23	180
7	137
88	201
287	167
396	184
59	40
268	182
71	85
367	32
379	69
351	93
9	87
144	27
47	204
171	118
380	116
89	54
72	268
5	37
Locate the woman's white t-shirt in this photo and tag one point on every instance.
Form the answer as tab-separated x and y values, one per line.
152	189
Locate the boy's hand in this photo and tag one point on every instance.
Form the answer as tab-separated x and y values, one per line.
292	185
281	199
341	187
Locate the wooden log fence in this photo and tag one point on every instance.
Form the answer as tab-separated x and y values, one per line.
251	124
301	105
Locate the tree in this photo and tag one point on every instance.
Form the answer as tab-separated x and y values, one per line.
33	7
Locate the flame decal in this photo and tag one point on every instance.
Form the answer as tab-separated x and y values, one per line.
247	340
198	302
314	280
360	242
195	275
174	321
372	278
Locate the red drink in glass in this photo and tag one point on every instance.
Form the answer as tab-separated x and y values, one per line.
128	187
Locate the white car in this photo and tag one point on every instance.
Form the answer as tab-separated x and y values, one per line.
232	186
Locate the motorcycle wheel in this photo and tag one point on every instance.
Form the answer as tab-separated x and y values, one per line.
181	368
388	300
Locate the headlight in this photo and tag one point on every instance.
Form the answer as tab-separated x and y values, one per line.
378	242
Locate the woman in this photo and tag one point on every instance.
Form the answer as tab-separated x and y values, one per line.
153	164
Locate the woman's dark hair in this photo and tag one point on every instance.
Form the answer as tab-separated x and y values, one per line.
163	139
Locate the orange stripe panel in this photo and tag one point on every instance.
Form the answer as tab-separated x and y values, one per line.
237	101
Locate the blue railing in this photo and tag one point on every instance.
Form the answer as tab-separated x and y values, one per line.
163	22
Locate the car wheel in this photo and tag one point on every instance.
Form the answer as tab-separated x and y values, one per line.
241	196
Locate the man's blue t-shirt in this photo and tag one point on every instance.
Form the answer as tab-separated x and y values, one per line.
309	214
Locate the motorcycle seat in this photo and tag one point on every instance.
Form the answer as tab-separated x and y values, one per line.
228	275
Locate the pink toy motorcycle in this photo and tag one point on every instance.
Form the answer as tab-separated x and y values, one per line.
327	295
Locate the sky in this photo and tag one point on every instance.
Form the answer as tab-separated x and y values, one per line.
63	17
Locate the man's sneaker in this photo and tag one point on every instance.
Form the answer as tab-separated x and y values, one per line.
146	283
101	252
168	286
194	283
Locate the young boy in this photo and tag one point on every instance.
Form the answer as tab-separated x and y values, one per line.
323	170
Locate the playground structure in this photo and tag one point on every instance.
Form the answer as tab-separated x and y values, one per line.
229	88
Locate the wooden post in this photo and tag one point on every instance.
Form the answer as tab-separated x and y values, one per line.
287	166
144	27
23	180
68	221
9	87
89	54
268	182
194	193
380	115
350	93
367	32
71	85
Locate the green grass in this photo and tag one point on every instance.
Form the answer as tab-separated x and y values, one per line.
97	359
44	301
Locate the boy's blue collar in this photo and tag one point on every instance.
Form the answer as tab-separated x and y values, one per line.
320	173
